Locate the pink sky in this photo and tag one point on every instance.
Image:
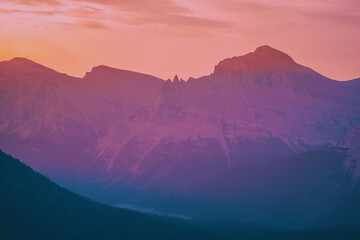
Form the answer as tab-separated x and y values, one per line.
184	37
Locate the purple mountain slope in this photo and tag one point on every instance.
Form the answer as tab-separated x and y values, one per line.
125	129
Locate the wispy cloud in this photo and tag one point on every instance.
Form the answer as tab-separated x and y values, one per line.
341	11
180	20
132	12
141	6
35	2
93	25
37	12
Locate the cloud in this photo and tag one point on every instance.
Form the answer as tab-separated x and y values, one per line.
243	15
180	20
154	6
93	25
115	12
86	12
35	2
340	11
37	12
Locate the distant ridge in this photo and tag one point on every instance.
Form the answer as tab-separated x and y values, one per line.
265	58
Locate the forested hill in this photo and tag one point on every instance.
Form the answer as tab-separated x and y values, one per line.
33	207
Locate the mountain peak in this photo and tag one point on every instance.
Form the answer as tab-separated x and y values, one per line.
24	65
264	58
273	54
21	61
267	49
103	71
110	74
176	79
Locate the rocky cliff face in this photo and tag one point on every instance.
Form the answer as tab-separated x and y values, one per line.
135	130
352	162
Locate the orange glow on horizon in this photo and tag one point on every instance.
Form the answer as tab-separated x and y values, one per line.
188	37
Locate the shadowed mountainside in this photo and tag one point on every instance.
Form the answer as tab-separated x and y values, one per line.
33	207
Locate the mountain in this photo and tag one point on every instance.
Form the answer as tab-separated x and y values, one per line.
48	115
116	130
315	188
242	114
33	207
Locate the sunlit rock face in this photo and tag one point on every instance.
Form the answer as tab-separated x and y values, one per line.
127	129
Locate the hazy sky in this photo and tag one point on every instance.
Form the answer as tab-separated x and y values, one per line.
185	37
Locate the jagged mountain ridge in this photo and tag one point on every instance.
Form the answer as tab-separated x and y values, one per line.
131	129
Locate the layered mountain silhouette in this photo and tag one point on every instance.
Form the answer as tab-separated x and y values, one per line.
116	129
